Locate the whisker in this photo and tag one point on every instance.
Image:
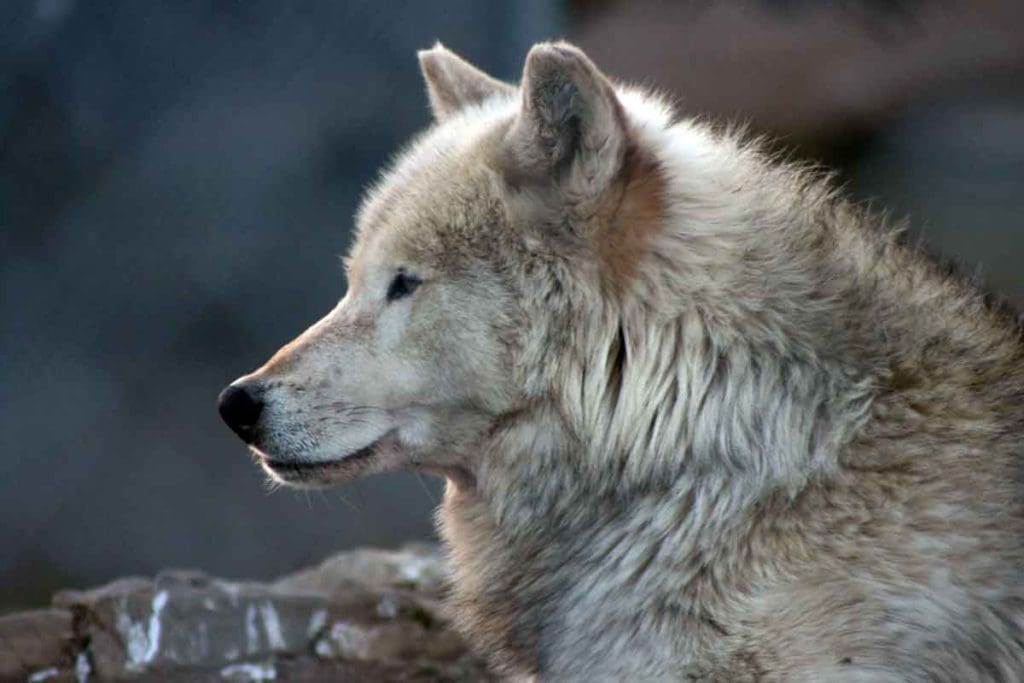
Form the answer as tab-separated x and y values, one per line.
359	491
350	504
426	489
271	485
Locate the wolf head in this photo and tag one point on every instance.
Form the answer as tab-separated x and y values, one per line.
424	353
562	265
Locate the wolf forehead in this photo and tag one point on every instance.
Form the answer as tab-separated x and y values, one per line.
442	197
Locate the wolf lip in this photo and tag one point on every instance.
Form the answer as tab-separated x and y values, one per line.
302	468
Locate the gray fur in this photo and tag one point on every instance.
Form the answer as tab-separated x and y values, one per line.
707	421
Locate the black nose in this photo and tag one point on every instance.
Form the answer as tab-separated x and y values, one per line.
240	406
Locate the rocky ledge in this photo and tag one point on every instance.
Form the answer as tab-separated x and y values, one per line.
364	615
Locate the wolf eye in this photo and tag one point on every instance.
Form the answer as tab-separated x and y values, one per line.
403	285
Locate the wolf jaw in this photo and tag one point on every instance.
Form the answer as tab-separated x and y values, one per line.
699	415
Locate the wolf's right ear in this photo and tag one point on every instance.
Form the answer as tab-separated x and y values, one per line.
453	83
570	132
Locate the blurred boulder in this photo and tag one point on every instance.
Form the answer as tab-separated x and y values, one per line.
36	640
362	615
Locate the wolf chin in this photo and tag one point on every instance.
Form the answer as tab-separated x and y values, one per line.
700	417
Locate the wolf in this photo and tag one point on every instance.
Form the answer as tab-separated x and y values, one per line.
700	417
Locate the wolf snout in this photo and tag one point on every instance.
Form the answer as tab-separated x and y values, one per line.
240	406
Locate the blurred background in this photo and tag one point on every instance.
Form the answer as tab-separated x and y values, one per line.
177	178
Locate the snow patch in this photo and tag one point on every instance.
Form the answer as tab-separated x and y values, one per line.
272	625
159	602
82	668
252	633
387	608
142	639
414	568
345	640
316	622
263	671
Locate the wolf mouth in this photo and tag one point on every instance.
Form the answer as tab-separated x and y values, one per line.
304	471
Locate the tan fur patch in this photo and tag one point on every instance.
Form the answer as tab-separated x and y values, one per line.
636	215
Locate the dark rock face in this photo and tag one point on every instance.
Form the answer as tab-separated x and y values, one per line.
364	615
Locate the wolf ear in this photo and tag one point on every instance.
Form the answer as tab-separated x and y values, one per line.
453	83
570	129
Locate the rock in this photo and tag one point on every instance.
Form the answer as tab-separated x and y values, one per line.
364	615
35	641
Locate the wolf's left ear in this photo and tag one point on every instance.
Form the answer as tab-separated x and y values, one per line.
453	83
570	129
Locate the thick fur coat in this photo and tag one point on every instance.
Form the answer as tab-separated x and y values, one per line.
701	418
